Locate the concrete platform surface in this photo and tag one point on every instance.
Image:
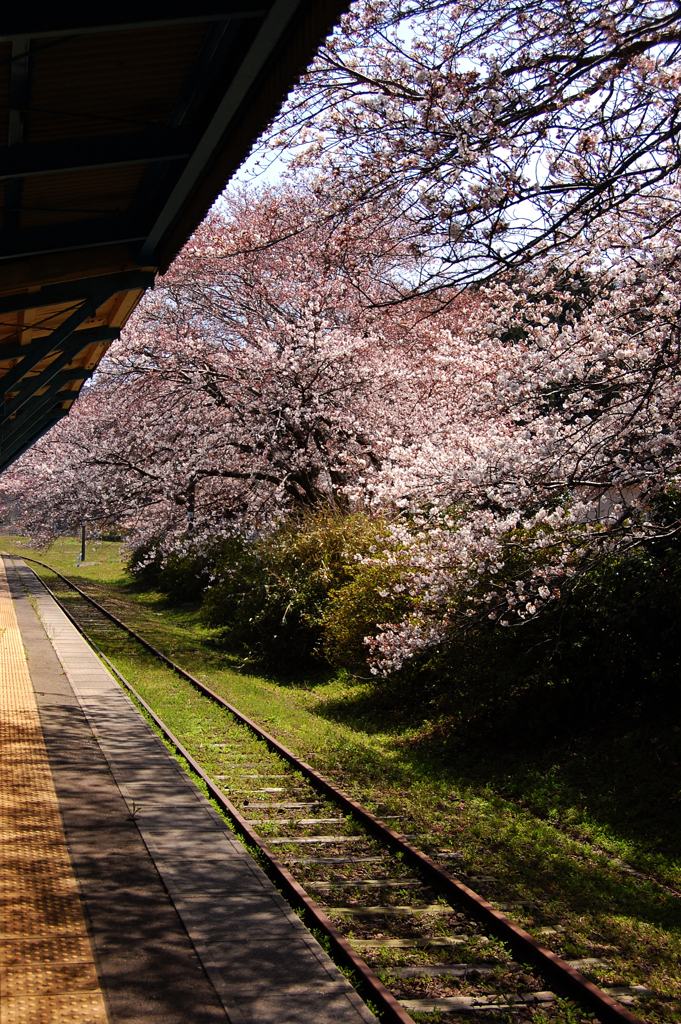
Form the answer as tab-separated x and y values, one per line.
47	962
184	925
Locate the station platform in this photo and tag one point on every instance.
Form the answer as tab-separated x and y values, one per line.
125	896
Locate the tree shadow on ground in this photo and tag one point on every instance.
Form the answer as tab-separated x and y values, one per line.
563	753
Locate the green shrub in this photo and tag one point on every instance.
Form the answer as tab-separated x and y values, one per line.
270	594
183	578
356	610
299	596
613	641
145	564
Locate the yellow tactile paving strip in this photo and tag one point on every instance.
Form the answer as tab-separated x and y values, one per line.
47	971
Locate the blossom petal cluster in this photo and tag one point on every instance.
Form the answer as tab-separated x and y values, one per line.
509	439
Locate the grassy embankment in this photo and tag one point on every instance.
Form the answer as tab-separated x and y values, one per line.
585	826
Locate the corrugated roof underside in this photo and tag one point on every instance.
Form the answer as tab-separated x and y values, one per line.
112	83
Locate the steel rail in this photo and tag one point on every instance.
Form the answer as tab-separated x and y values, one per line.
370	986
563	977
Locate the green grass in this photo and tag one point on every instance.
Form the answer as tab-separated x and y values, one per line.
555	807
105	560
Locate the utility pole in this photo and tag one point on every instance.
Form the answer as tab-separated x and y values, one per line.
81	557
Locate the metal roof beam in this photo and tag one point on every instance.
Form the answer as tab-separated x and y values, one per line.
46	19
96	335
19	89
19	434
68	377
13	351
81	234
25	430
13	448
44	402
16	431
74	291
268	36
61	379
40	403
19	94
69	350
162	143
37	352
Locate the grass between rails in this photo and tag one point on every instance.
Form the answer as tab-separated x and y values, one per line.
555	815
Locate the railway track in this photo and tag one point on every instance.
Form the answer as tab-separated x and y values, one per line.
415	938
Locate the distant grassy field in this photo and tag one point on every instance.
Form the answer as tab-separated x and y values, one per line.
584	826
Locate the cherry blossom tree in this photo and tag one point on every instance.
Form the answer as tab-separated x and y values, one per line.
530	150
512	438
251	382
582	398
495	132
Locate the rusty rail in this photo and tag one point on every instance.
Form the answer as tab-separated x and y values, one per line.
565	979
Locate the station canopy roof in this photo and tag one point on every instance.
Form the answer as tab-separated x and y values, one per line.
120	123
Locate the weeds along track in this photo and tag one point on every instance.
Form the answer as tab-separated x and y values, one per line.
414	938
